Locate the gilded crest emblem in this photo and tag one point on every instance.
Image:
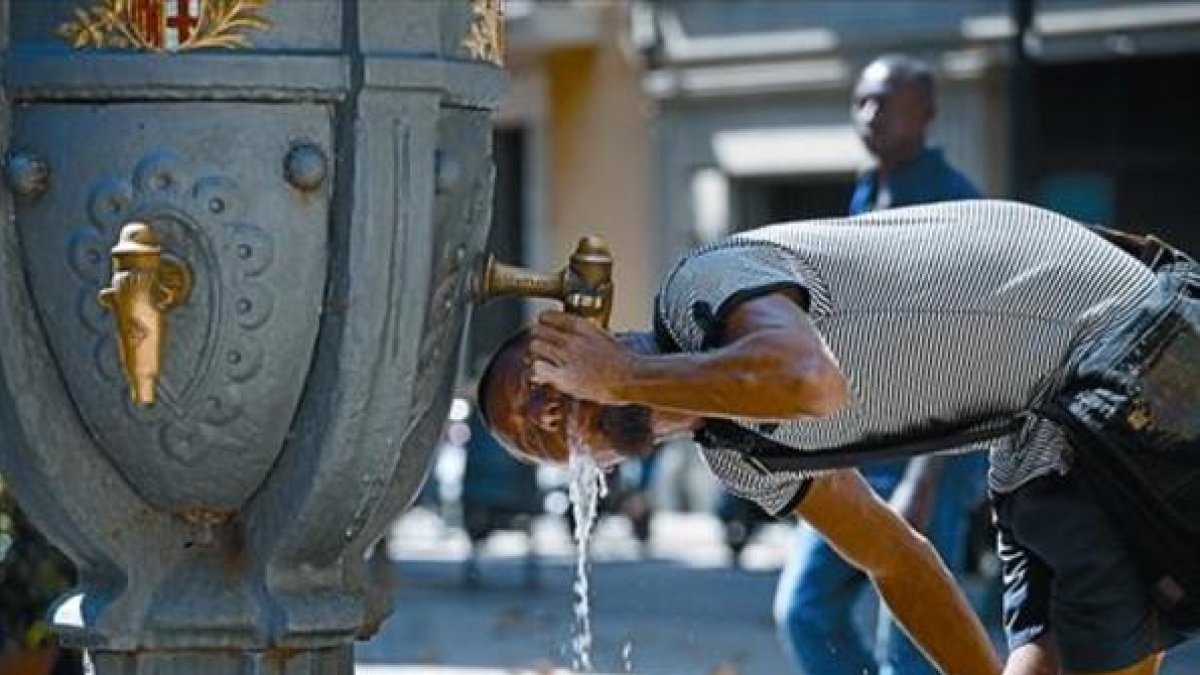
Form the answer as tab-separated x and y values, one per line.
165	25
485	37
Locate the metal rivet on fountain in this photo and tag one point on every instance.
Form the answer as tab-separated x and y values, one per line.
305	166
449	172
27	175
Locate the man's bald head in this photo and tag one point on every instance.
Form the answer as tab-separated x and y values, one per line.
890	71
503	395
529	419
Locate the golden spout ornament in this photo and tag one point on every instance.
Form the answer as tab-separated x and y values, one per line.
146	284
584	286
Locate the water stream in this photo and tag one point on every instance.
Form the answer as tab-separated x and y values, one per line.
585	490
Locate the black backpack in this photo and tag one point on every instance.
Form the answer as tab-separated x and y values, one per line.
1130	401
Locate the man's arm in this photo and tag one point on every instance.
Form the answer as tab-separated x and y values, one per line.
772	364
904	568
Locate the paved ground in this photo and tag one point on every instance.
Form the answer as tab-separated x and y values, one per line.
676	608
679	608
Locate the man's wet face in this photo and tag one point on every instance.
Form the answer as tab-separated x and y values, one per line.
533	420
609	434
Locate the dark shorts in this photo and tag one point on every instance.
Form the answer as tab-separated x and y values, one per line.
1068	573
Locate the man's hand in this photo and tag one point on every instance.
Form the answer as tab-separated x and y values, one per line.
576	358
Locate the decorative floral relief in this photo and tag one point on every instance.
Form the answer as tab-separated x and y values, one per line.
165	25
485	37
203	410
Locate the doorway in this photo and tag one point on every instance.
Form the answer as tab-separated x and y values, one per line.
762	200
1116	143
494	321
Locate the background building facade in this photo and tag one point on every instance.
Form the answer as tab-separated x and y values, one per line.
663	124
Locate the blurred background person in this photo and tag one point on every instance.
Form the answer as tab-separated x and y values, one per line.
892	108
33	574
498	493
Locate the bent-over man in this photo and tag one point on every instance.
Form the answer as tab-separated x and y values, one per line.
827	334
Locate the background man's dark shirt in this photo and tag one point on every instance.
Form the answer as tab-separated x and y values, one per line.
927	178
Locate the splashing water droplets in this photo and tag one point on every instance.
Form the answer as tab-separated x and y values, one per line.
586	488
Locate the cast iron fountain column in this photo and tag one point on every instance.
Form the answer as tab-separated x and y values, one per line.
235	256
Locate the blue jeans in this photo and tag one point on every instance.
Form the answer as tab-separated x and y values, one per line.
817	591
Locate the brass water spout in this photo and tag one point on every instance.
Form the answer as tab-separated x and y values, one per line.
584	286
146	284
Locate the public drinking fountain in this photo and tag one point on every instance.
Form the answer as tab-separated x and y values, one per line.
236	253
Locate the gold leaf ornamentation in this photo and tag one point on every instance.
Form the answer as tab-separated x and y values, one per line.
150	25
485	37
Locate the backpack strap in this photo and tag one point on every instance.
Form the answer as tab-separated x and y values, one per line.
1152	251
770	456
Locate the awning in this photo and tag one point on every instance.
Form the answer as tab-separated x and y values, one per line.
790	150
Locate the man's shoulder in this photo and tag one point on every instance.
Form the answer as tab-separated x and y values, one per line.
745	254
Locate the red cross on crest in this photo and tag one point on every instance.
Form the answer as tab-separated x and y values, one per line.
165	24
182	17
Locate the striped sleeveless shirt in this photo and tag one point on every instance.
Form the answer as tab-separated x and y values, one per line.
937	314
